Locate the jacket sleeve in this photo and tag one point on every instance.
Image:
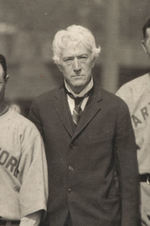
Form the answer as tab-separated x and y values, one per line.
126	148
34	116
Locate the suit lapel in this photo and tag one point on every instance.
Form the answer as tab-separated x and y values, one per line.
92	108
62	109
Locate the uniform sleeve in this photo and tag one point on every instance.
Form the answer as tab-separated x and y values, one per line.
125	147
33	173
31	220
123	92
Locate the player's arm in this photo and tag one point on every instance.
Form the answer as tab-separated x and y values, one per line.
31	220
34	177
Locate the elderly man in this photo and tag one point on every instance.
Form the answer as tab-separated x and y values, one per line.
136	94
23	167
89	142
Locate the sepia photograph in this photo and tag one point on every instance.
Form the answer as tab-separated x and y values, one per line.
74	113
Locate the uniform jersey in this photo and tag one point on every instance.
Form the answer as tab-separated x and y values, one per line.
136	94
23	167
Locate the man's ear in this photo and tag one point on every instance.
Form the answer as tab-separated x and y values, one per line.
7	77
144	46
93	61
94	58
59	67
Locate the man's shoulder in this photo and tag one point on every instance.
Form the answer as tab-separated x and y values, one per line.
132	91
110	96
112	99
21	123
47	96
134	88
137	83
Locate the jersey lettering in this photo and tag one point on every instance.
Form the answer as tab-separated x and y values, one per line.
3	157
136	120
144	112
10	162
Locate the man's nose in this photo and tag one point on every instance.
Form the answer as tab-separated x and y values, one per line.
76	65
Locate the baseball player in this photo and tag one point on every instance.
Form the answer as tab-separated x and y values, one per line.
23	167
136	94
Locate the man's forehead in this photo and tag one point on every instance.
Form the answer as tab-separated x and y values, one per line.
74	48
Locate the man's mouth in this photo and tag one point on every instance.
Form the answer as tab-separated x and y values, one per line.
77	76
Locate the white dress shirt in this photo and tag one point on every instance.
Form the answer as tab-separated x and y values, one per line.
71	101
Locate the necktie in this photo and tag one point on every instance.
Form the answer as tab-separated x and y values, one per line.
77	109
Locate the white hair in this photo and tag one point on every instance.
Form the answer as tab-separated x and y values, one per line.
74	34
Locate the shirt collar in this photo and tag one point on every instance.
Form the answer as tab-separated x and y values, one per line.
83	92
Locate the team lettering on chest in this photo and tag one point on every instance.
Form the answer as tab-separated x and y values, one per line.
143	114
9	161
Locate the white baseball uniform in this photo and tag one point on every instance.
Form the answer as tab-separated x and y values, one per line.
136	94
23	167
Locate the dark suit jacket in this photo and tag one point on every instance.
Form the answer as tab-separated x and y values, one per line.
93	171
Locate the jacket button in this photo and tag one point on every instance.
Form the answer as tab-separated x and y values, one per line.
70	168
69	190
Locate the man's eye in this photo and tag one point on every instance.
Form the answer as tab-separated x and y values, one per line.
83	57
68	59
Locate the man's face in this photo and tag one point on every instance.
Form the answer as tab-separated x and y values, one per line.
2	81
146	42
76	65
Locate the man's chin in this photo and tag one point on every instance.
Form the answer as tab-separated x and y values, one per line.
77	87
79	83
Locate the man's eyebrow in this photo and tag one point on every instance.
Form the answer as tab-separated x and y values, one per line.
84	54
68	58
